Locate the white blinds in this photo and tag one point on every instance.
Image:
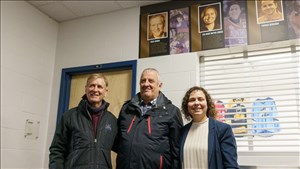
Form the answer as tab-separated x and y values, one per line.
257	93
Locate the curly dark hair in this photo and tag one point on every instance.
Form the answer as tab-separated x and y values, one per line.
211	111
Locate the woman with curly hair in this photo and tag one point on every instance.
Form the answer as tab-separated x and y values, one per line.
205	142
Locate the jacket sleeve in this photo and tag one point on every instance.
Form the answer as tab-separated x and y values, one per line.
59	146
228	148
115	147
175	128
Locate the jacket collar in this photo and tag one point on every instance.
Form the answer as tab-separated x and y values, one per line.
83	106
211	140
160	100
135	102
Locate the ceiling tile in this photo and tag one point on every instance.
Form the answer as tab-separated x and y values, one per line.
66	10
145	2
40	3
86	8
130	4
57	11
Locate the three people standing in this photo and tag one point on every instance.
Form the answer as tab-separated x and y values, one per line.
148	133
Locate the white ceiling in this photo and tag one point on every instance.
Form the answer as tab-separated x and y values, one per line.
62	11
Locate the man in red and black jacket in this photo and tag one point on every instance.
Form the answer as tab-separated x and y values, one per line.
149	128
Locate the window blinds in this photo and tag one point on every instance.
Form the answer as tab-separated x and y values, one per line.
257	93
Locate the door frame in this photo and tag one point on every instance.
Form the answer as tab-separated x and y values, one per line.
67	73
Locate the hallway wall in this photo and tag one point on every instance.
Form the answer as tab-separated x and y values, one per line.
28	45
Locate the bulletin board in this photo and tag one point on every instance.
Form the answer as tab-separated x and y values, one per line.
191	26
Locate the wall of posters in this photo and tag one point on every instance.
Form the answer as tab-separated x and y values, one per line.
190	26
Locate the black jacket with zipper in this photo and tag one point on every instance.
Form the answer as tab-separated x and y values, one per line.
150	141
75	146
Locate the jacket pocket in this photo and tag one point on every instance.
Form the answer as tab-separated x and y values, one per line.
160	161
130	125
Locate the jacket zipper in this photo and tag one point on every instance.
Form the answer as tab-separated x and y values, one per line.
95	134
132	121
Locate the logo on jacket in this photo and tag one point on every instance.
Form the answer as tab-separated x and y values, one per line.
108	127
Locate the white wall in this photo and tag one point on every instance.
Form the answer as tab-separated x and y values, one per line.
28	44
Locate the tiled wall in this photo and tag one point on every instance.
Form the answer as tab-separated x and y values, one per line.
28	44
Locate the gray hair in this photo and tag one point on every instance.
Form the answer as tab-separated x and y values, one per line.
153	70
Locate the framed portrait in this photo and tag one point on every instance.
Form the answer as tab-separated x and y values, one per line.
235	23
157	26
269	11
209	17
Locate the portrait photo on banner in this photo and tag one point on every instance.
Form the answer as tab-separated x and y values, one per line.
157	26
293	17
235	23
269	11
179	31
209	17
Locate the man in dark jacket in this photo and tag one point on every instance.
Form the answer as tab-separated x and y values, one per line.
149	128
85	134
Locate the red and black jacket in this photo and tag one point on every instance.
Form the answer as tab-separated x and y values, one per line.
150	141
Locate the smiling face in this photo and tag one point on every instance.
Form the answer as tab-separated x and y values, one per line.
197	106
268	7
209	16
157	26
234	11
179	19
96	90
149	85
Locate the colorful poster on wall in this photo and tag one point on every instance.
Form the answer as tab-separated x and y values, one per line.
157	34
179	31
235	23
293	17
210	26
236	112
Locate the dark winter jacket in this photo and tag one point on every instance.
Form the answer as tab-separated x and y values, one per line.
222	149
74	145
150	141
